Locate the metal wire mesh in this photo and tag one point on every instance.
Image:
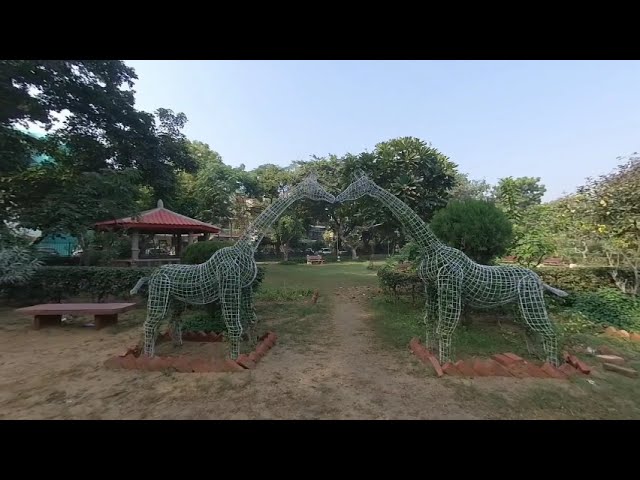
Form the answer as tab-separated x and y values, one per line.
452	280
226	277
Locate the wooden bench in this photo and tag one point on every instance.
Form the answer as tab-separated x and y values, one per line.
553	262
48	314
313	259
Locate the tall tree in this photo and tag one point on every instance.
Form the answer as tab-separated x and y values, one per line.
613	204
515	195
87	108
468	189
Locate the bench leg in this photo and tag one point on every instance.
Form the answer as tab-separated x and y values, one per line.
101	321
40	321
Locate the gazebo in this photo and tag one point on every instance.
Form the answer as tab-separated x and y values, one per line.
159	221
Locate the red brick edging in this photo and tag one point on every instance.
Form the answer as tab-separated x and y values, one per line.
132	360
500	365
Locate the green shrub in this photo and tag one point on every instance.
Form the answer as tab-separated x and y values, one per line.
200	252
54	284
587	279
608	307
476	227
209	320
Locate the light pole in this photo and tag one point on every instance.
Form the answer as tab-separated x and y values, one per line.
338	246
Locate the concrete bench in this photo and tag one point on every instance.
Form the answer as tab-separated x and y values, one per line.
48	314
313	259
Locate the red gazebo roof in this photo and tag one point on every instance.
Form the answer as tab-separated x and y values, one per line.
160	220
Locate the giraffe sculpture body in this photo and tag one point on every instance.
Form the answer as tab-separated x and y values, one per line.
452	279
227	276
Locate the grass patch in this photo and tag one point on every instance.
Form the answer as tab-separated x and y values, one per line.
283	294
325	278
398	321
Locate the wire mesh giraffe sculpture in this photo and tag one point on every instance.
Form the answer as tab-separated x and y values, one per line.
227	276
452	279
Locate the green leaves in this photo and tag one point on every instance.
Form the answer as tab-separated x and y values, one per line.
476	227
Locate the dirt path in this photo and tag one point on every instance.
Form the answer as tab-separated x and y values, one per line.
349	378
328	367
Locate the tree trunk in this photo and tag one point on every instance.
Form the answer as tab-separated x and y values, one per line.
284	248
354	253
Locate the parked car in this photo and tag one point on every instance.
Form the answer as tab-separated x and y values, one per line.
324	251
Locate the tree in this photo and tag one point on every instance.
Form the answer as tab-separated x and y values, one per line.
476	227
612	203
286	229
470	189
515	195
55	199
17	265
87	108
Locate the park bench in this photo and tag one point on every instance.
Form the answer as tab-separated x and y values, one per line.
553	262
313	259
51	313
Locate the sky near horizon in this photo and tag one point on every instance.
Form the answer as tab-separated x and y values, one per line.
562	121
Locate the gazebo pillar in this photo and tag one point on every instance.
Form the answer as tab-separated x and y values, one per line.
135	248
192	238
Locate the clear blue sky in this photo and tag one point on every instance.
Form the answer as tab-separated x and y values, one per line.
559	120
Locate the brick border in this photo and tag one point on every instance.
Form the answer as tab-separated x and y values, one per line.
499	365
133	360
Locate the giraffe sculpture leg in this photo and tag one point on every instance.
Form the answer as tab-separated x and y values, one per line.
230	295
431	317
176	323
157	306
534	312
449	309
249	318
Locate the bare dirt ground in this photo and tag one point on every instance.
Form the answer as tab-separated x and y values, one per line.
324	366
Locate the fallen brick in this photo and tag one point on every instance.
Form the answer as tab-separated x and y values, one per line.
503	359
626	371
450	369
436	365
482	368
572	360
635	337
623	334
513	356
465	368
498	369
535	371
568	369
610	332
552	371
604	350
245	361
113	362
611	359
128	362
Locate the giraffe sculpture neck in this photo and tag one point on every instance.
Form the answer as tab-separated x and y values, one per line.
416	228
254	234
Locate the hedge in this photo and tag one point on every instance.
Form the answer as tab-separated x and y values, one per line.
398	280
54	284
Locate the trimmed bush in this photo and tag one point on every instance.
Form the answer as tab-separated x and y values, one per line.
400	278
200	252
588	279
476	227
53	284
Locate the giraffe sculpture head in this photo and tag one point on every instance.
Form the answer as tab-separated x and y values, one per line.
311	189
361	186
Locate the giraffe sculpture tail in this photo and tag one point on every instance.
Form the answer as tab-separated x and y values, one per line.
141	282
555	291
